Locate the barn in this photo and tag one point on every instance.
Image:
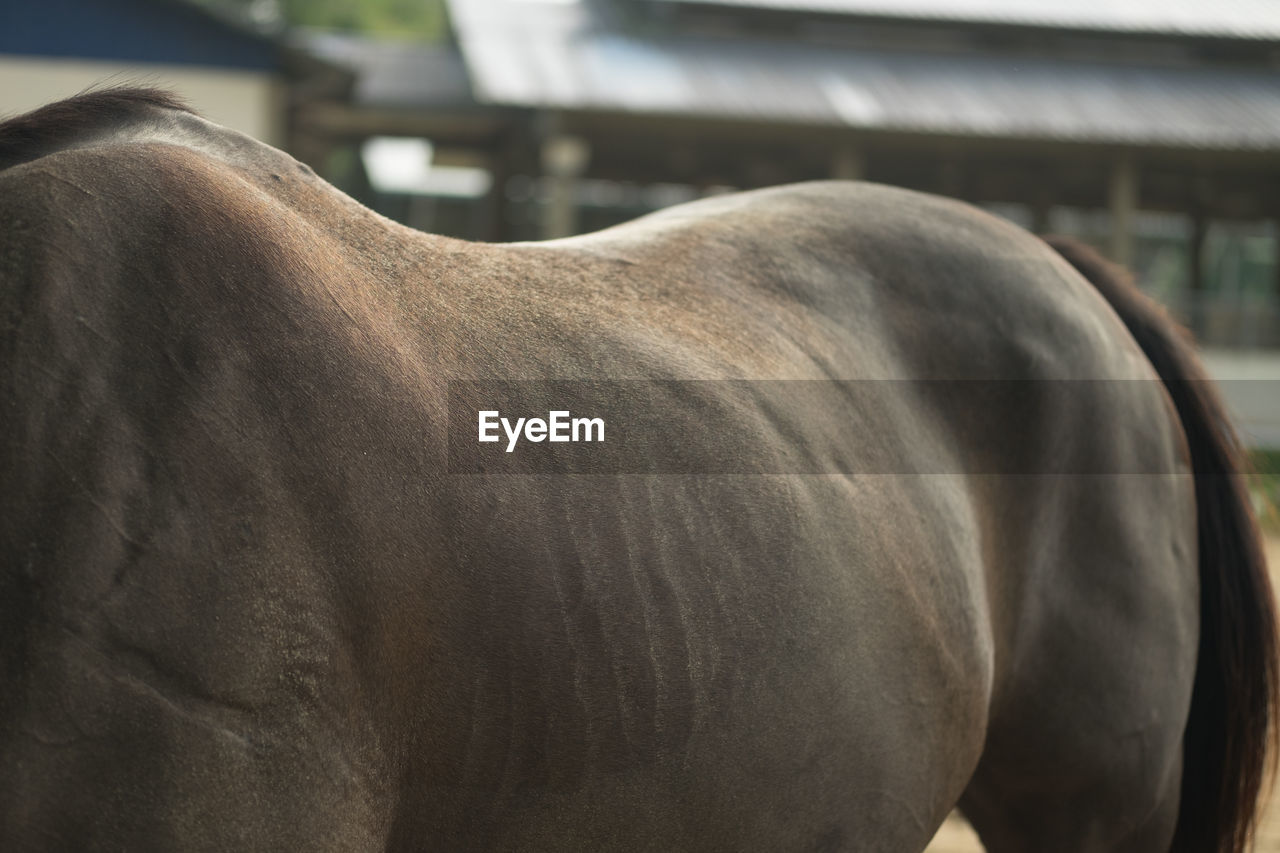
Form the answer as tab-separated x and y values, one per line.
229	72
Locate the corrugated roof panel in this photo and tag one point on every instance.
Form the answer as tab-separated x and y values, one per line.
577	61
637	73
390	73
1246	19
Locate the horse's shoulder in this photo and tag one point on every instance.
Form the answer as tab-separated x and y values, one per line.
128	152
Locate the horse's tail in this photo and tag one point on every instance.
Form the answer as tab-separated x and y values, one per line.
1227	747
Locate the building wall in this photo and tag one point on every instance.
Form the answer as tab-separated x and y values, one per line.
251	102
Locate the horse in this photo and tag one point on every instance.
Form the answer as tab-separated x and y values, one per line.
897	508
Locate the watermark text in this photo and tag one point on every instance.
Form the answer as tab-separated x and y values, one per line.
558	426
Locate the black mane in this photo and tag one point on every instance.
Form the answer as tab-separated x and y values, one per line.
34	134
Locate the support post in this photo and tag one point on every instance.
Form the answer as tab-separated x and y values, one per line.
495	224
1197	307
952	180
847	164
1123	198
564	159
1041	207
1275	260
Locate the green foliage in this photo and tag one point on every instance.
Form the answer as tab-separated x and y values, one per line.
1264	483
419	19
422	20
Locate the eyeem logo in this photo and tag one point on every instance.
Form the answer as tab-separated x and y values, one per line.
558	426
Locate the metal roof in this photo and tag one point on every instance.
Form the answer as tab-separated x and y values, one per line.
394	73
1245	19
571	56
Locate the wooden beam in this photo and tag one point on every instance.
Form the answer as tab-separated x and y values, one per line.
847	163
1275	260
1123	203
1041	204
564	159
460	126
1195	271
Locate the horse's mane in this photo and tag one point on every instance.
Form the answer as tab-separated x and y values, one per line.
32	135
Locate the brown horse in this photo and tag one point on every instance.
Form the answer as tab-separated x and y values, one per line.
894	511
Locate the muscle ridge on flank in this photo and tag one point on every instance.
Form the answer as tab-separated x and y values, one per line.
87	115
246	603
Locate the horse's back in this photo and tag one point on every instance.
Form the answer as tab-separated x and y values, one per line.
922	613
235	549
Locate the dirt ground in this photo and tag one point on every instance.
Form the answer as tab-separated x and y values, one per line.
957	837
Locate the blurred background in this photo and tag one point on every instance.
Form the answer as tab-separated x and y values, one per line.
1151	128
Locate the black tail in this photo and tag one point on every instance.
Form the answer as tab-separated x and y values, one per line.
1227	748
